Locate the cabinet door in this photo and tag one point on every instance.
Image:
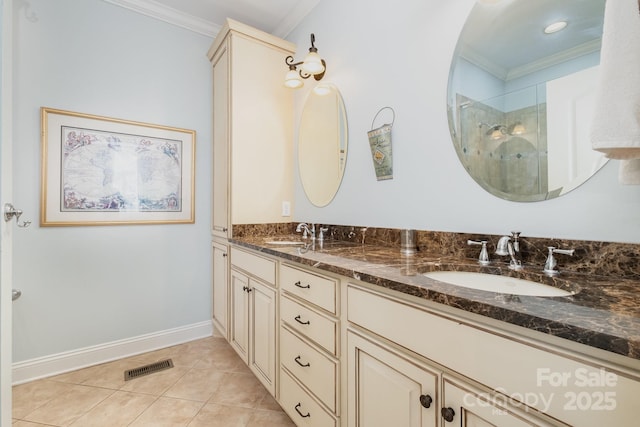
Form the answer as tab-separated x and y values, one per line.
221	288
465	406
220	186
262	321
239	327
387	389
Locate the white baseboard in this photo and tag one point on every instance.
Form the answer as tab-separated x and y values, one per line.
55	364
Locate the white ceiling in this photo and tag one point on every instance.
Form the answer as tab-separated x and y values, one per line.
206	17
506	36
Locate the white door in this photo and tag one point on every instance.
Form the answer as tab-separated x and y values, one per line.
262	336
6	14
571	101
387	389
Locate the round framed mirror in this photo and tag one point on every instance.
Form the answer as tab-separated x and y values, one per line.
521	95
322	144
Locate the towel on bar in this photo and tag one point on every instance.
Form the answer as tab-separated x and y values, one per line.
615	129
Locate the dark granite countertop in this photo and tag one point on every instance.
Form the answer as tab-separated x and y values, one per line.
603	312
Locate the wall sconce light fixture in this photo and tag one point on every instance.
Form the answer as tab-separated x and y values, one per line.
312	65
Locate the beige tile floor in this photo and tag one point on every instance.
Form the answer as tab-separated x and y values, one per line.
209	385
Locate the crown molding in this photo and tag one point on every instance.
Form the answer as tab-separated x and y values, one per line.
294	17
532	67
170	15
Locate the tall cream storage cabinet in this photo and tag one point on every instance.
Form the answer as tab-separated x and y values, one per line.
252	128
252	147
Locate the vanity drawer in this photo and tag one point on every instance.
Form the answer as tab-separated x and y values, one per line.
312	368
302	408
256	265
318	290
315	326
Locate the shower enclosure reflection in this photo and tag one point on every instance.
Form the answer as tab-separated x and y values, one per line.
505	148
520	102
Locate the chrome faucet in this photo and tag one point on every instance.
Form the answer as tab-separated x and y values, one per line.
322	231
510	245
551	263
306	230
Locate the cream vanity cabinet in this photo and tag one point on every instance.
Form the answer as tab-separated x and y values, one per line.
422	366
252	128
388	387
253	311
309	346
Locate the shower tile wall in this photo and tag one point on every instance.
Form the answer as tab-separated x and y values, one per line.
512	163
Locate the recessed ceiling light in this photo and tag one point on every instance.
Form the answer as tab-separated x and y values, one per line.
555	27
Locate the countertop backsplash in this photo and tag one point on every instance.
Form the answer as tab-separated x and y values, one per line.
621	260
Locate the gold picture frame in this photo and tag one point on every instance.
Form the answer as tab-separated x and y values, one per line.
106	171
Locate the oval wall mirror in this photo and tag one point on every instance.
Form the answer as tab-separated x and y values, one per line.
521	95
322	144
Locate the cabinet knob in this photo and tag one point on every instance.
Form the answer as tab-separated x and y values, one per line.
298	284
448	414
297	408
244	288
426	400
299	320
224	255
249	289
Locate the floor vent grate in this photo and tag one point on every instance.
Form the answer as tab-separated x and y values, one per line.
130	374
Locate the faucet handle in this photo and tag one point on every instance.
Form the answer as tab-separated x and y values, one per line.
483	258
322	231
551	263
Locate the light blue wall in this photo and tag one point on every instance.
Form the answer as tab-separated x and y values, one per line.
398	54
84	286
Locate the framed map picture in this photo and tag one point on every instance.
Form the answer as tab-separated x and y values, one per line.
105	171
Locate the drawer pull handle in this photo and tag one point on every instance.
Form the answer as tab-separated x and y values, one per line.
426	400
298	284
448	414
304	365
299	320
307	415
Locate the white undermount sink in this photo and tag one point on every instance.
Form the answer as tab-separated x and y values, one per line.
496	283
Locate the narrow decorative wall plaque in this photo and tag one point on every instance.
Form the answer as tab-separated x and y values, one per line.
381	149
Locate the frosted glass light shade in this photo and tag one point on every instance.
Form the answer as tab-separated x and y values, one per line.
293	80
313	64
496	134
518	129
